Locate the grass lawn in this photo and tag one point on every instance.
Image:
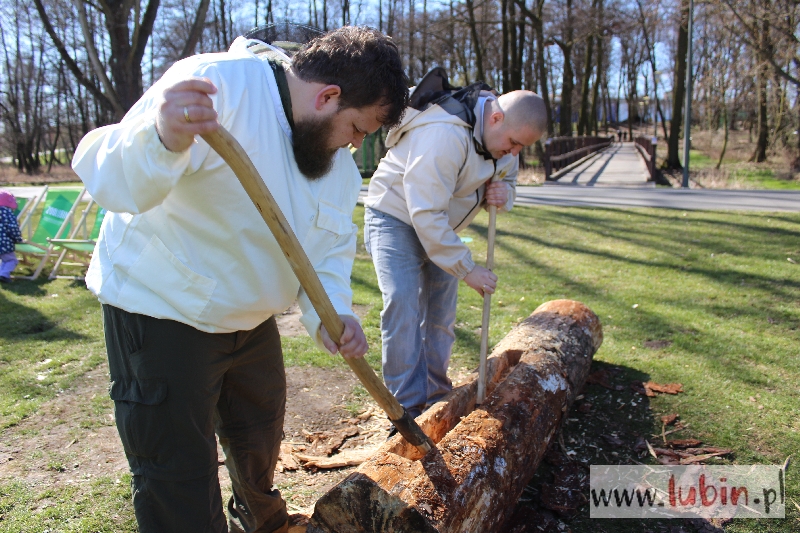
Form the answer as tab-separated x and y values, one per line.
720	290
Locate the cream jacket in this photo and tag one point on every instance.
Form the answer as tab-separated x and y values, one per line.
183	241
433	178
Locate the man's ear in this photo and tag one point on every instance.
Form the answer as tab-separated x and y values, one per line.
496	118
327	98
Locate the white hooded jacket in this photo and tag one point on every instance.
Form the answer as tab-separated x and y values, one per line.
183	241
433	178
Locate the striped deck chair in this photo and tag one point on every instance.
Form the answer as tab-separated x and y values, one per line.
76	251
58	209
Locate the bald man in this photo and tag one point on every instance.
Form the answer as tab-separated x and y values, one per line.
429	186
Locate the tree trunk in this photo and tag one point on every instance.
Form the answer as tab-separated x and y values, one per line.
504	63
760	154
541	67
517	51
567	82
483	457
476	42
411	38
584	122
679	87
197	28
725	124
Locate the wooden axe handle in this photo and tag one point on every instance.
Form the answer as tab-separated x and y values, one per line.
487	303
232	152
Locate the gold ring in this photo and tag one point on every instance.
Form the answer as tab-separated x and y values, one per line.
186	114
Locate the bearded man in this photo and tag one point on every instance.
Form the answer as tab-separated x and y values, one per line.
190	278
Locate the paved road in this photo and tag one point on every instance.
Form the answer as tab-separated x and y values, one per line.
615	197
619	165
705	199
690	199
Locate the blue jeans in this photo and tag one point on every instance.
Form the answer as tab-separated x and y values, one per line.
419	312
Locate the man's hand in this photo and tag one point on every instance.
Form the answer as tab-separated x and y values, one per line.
354	343
497	193
482	280
186	111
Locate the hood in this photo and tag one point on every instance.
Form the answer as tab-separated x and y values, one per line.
414	118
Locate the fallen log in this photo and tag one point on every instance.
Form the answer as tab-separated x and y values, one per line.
483	458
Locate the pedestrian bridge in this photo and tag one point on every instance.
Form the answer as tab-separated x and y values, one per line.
621	164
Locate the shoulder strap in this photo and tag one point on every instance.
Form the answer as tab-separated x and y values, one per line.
435	89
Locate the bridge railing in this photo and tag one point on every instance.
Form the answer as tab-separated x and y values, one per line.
560	152
647	147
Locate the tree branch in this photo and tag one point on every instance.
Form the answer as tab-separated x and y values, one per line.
197	29
71	64
99	70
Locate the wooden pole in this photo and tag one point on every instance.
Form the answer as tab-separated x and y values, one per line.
483	458
231	151
487	302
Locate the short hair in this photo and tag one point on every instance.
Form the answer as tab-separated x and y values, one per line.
364	63
524	108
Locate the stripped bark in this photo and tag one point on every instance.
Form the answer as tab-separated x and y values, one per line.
483	458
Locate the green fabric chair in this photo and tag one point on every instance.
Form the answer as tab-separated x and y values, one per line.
58	208
25	208
76	251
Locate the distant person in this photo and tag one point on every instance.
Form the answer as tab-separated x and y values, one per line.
9	236
619	135
431	184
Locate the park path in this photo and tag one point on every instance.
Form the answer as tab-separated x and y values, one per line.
619	165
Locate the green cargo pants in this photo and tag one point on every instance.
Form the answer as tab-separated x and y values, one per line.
173	387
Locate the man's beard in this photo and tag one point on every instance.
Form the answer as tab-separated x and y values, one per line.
310	140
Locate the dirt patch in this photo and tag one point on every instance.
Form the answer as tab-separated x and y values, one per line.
73	438
58	174
289	321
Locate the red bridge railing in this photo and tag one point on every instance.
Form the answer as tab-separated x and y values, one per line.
647	147
560	152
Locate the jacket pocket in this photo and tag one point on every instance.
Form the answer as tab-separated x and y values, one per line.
160	271
143	422
331	218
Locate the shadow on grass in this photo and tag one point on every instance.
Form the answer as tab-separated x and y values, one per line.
607	425
21	322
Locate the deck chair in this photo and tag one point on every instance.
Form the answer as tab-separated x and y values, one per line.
25	208
58	209
76	251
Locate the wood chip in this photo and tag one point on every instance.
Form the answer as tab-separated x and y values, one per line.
651	388
345	458
329	442
668	453
684	443
286	460
699	458
668	420
651	450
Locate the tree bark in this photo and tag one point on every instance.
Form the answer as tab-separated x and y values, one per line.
584	121
476	42
482	456
760	153
504	63
679	87
568	78
197	28
541	67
